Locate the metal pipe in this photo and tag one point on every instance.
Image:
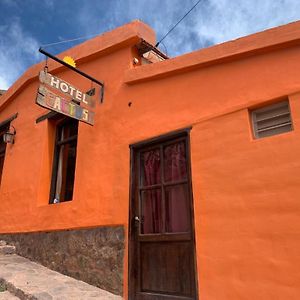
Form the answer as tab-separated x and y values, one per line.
75	70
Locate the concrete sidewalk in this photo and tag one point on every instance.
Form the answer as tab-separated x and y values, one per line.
28	280
7	296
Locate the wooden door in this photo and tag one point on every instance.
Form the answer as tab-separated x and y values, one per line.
161	248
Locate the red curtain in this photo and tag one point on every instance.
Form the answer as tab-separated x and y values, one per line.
151	199
175	195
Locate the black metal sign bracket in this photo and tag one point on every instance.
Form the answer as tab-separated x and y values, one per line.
100	83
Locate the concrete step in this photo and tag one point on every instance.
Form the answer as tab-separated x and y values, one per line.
30	281
6	249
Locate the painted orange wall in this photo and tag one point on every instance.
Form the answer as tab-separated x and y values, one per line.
245	190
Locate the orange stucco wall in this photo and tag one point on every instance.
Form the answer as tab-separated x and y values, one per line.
245	191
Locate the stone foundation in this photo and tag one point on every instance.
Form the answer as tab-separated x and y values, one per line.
91	255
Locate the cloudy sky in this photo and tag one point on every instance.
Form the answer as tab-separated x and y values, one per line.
26	25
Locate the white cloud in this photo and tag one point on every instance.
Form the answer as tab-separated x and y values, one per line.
49	4
4	84
217	21
211	22
18	50
229	19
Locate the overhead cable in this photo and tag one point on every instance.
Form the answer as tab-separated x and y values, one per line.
156	45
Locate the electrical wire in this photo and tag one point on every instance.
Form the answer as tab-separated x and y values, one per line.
156	45
166	50
71	40
94	35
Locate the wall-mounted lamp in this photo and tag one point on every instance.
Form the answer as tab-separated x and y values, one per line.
135	61
9	136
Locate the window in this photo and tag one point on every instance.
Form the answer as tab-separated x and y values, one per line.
3	129
64	161
164	188
272	119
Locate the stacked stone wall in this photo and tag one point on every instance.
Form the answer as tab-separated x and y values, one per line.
91	255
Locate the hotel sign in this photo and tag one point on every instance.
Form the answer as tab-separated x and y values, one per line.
75	104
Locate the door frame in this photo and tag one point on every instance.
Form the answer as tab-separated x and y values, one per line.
131	223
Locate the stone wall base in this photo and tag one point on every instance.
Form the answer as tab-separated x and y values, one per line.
91	255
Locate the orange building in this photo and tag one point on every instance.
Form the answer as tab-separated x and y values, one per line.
186	185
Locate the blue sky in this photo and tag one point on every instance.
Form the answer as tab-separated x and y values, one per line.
27	24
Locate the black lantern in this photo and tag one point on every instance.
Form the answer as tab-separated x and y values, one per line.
9	136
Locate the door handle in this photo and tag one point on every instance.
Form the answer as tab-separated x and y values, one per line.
137	219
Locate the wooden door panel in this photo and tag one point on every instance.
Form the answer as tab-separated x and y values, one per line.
152	296
166	268
161	251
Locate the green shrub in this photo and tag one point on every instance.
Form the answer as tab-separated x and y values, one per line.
2	288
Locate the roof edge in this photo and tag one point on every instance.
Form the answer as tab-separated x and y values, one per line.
265	41
108	42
